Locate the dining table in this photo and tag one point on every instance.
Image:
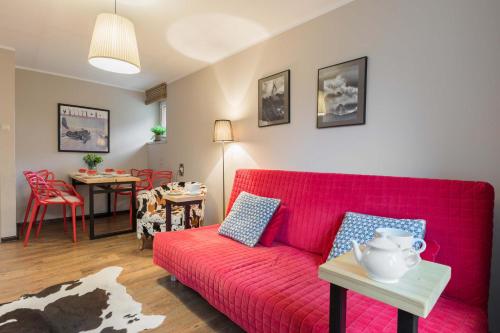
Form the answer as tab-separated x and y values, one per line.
107	184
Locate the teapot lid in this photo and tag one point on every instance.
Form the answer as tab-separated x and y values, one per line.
383	243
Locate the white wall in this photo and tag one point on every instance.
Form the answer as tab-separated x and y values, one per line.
433	101
37	95
7	144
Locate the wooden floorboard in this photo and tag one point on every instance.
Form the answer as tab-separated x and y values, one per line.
53	258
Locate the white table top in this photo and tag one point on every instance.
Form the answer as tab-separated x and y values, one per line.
416	292
184	197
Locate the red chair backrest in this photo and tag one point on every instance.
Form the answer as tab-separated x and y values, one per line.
44	173
162	178
146	179
136	172
39	186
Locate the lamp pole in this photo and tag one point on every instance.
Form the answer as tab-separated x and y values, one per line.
223	132
223	183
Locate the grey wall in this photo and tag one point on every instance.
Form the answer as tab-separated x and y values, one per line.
37	95
7	143
433	101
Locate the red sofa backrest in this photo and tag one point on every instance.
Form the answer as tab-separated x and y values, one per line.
459	215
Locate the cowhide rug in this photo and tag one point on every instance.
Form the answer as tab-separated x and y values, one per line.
96	303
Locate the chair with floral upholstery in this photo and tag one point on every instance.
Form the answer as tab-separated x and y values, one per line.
151	210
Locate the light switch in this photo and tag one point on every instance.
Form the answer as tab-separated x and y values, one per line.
5	127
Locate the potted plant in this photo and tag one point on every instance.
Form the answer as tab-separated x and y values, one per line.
92	160
158	132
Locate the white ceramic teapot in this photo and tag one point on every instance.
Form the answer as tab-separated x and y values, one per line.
384	260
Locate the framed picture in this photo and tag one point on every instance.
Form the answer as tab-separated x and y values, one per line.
342	94
274	99
82	129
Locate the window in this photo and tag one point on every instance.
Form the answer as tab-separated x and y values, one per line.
163	113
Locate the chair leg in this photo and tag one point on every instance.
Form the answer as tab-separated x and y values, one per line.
34	213
41	221
143	241
27	213
73	220
82	209
114	203
65	226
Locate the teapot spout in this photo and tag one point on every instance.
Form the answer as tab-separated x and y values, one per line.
357	252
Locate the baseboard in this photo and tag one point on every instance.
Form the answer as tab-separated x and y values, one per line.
60	219
56	220
9	239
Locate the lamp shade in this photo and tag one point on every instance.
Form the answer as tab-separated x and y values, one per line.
223	131
114	46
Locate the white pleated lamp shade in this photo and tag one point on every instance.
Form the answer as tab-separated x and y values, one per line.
223	131
114	45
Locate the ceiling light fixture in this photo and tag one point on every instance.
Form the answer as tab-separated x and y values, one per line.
114	46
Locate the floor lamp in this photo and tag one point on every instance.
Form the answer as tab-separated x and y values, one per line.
223	132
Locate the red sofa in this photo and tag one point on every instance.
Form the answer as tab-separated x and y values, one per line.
276	289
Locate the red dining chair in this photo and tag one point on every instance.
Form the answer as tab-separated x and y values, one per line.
46	175
161	178
53	193
135	172
61	186
142	185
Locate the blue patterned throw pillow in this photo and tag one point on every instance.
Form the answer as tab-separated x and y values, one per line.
248	218
361	228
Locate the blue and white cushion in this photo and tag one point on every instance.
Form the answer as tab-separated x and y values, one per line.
248	218
361	228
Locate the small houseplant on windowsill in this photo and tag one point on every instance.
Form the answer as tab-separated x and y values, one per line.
92	160
159	132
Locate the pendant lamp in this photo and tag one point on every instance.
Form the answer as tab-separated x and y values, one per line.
114	46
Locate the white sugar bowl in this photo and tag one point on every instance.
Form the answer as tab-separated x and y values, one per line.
383	259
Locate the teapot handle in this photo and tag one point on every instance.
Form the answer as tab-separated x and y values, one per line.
412	259
423	245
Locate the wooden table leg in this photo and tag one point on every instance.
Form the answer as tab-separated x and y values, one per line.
338	309
108	195
187	215
134	207
168	216
407	322
91	211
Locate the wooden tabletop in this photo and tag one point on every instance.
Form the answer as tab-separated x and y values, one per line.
184	197
103	179
416	292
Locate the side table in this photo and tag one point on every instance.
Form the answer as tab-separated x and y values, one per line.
414	295
185	200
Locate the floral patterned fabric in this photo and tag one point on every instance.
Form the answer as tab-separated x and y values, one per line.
151	209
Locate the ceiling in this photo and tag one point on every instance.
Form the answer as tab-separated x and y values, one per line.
175	37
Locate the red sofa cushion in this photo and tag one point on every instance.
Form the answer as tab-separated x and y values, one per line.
459	215
272	229
276	289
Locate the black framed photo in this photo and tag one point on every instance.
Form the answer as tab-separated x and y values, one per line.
82	129
274	99
342	94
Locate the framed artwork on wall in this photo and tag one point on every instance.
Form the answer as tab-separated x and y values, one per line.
342	94
274	99
82	129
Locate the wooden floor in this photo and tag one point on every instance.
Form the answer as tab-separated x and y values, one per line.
53	258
